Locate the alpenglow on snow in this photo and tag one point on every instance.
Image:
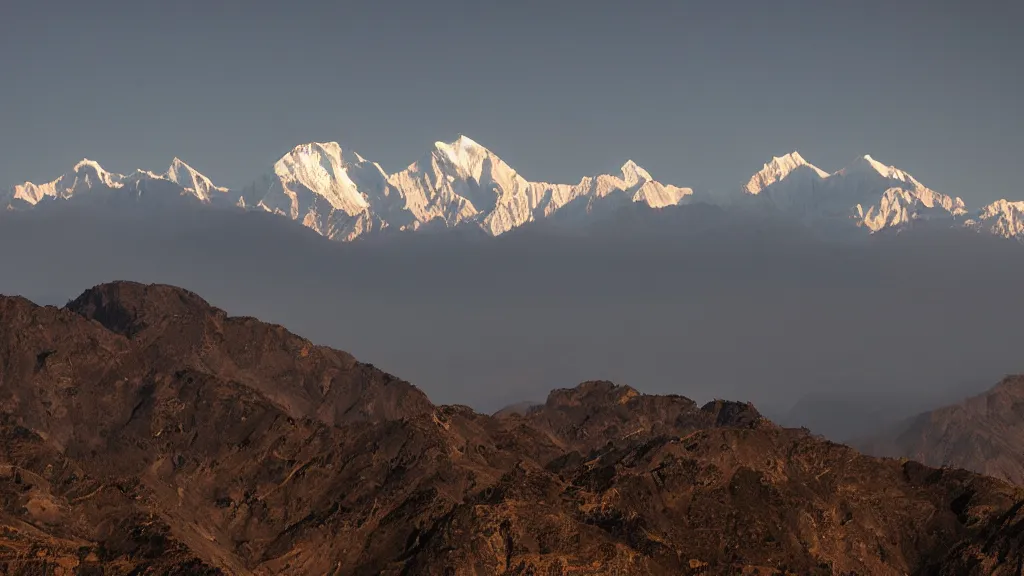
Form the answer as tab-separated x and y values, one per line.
343	196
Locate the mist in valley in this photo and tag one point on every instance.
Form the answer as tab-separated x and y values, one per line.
839	336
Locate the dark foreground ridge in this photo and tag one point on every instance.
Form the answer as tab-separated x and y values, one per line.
143	431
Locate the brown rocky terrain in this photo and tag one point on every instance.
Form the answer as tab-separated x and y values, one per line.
984	433
143	431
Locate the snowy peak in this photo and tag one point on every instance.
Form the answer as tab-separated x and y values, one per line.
312	152
320	169
85	175
92	173
1002	218
180	179
462	151
342	195
866	165
866	193
192	181
462	182
330	156
471	160
333	191
1002	207
780	168
633	174
868	180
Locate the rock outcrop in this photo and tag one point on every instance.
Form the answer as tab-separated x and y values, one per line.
143	431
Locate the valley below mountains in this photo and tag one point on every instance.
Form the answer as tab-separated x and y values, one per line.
144	431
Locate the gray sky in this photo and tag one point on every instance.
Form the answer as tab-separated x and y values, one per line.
699	93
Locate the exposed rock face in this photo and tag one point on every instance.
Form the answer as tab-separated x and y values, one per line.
143	431
984	433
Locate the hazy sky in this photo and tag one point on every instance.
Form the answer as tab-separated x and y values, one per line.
699	93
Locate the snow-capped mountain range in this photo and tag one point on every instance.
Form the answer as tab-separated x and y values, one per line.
867	193
343	196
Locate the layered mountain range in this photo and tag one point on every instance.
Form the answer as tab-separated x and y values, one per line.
143	431
343	196
984	433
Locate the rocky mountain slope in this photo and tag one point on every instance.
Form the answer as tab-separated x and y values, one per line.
462	184
984	433
143	431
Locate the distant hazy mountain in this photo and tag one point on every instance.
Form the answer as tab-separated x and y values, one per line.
847	413
343	196
984	433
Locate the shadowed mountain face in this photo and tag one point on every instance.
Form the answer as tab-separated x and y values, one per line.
984	433
144	431
846	415
692	300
